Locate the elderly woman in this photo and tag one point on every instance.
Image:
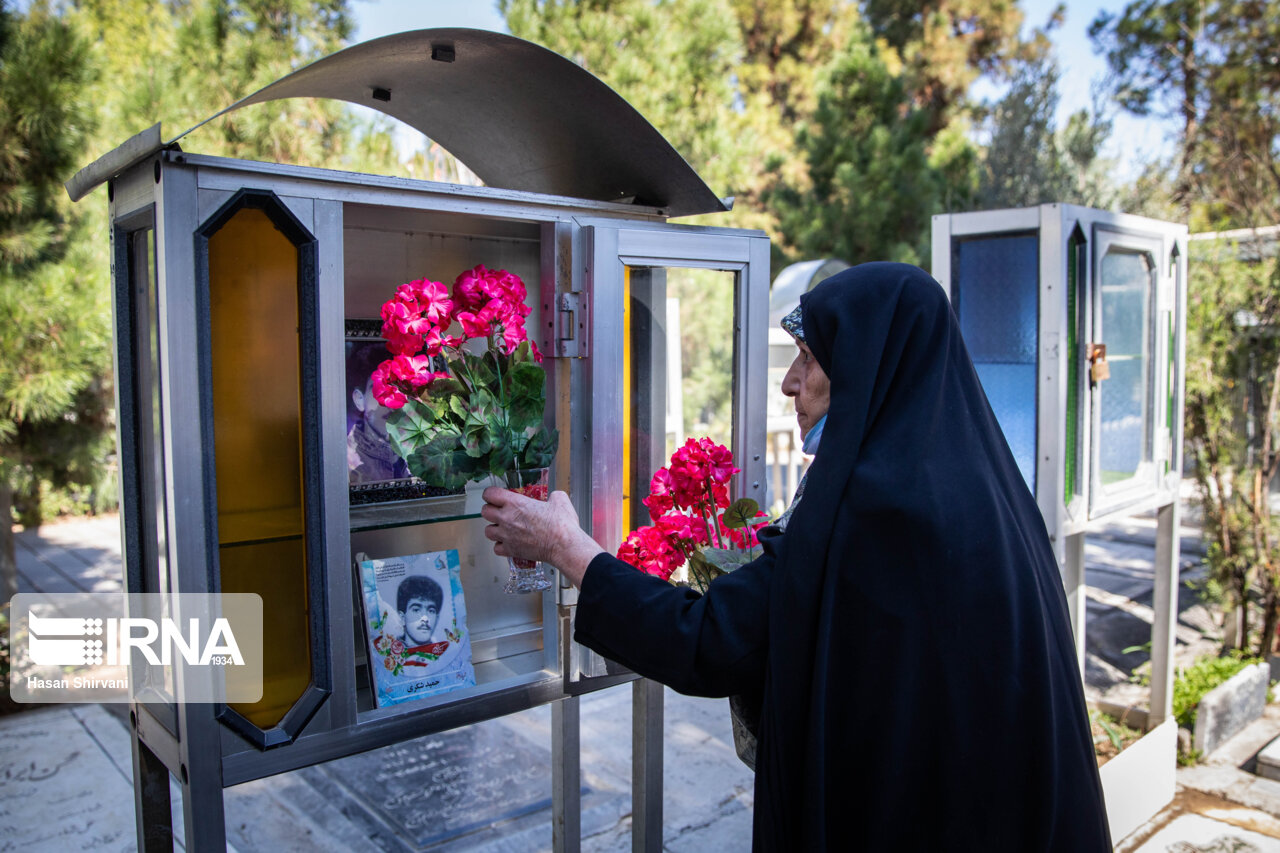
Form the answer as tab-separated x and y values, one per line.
905	634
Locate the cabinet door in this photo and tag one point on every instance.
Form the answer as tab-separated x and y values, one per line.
678	350
1128	422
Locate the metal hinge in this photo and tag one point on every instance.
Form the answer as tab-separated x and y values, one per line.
573	326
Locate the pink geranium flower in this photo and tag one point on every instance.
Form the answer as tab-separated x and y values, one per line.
686	501
384	389
436	306
648	549
513	336
473	326
467	289
688	529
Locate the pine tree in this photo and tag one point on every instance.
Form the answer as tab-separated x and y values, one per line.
1028	160
877	173
54	332
673	60
945	45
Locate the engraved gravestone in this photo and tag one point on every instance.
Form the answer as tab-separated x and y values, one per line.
60	786
426	791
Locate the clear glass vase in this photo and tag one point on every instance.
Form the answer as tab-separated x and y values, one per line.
528	575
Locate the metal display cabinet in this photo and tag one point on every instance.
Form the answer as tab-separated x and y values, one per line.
1076	322
235	284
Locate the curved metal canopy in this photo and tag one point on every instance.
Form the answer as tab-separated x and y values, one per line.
520	116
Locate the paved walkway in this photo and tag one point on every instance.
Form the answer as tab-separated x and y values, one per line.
65	771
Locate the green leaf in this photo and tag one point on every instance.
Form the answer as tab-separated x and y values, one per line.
501	458
442	462
459	366
439	408
528	379
445	387
725	559
485	370
540	448
523	354
741	513
484	402
411	427
526	414
701	571
476	440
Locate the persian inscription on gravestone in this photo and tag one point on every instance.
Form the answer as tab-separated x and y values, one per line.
58	789
446	785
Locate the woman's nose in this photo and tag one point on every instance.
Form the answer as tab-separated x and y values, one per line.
790	382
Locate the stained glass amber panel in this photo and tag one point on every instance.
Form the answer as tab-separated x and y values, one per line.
257	421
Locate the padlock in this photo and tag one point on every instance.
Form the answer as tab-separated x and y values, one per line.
1098	367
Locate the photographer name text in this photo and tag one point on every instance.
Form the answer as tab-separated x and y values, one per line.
79	682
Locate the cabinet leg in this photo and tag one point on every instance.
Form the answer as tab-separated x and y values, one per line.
566	776
646	766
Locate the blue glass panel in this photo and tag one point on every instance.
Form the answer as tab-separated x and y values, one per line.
1008	387
997	297
995	290
1126	285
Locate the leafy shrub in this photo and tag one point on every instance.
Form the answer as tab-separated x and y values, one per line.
1201	677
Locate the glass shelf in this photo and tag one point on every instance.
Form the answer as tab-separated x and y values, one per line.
256	527
432	510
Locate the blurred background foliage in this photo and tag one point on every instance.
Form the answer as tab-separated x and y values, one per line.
839	127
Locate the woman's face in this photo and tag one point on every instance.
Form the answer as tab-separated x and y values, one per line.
809	385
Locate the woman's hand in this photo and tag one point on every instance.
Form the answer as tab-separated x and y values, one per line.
538	530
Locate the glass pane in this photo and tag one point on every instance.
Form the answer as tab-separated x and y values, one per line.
148	409
257	422
1126	286
995	291
785	462
678	367
1077	261
703	302
142	279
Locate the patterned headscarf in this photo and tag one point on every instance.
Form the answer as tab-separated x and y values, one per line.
793	324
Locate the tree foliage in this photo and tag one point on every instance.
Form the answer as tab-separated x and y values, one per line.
944	46
43	128
1028	160
54	333
1232	425
876	172
180	62
673	60
1153	48
1213	65
76	80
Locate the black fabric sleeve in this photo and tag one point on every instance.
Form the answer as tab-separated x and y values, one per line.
700	645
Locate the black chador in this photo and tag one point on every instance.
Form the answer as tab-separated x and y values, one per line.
906	637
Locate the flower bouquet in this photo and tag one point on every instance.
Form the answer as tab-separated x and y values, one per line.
463	414
694	522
